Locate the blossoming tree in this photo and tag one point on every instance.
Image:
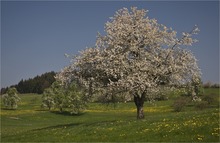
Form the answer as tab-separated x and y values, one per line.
11	98
59	97
137	55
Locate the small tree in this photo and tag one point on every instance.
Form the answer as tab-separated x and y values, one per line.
137	55
54	97
76	99
11	99
59	96
48	99
62	97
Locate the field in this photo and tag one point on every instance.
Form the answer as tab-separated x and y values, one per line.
101	123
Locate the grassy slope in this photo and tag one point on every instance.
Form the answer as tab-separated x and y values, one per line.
100	123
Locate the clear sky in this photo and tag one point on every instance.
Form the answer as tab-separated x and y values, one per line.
36	35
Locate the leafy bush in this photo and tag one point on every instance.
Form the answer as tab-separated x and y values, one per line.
180	103
48	99
209	99
201	105
61	97
11	99
76	99
161	97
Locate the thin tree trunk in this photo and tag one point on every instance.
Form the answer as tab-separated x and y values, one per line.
139	102
61	109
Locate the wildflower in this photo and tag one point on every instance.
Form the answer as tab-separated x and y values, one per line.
110	129
145	130
200	137
166	125
215	134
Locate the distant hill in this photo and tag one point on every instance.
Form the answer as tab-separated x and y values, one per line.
34	85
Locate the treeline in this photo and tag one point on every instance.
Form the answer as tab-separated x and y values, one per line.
34	85
211	85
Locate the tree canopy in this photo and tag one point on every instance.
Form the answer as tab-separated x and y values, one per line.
137	55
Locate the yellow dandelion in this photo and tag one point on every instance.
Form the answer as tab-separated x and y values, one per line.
145	130
166	125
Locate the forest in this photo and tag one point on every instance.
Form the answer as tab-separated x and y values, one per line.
33	85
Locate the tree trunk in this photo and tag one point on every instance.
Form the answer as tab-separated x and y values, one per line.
61	109
139	102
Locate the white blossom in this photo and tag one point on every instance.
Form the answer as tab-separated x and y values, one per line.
137	55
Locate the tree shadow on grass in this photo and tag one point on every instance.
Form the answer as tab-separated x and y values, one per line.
66	113
10	109
58	126
41	110
101	123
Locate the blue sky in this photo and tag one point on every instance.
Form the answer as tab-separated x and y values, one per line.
36	35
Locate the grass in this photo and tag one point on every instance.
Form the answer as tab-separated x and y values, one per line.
100	123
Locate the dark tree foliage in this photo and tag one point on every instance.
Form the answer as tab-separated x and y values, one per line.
4	90
34	85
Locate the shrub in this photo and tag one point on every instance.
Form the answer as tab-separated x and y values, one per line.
76	99
161	97
209	99
180	103
207	85
48	99
201	105
61	97
11	99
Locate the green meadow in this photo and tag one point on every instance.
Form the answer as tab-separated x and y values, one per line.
112	123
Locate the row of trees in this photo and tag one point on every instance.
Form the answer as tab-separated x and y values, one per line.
34	85
56	96
211	85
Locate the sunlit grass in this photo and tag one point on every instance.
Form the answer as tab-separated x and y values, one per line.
101	123
18	112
